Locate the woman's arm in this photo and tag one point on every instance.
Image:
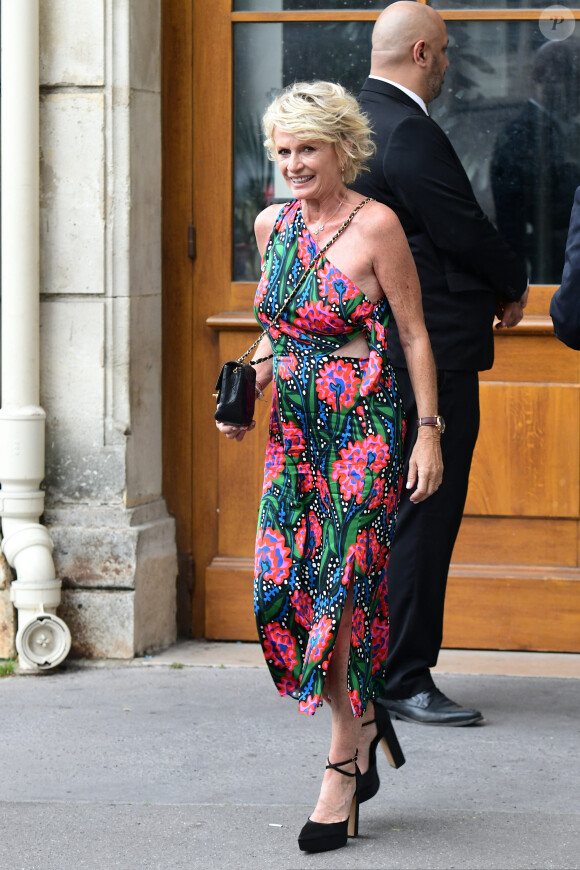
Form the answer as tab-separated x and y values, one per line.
395	270
263	228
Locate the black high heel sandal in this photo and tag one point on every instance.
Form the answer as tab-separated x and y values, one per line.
369	782
322	837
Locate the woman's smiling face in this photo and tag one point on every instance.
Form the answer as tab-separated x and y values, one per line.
310	167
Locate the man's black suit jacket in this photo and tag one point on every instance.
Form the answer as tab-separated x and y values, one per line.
565	304
464	266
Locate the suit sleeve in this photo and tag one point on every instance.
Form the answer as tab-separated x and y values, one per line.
565	304
426	174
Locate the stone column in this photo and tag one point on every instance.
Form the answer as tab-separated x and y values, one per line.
101	323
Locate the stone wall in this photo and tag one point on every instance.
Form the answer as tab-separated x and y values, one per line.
100	111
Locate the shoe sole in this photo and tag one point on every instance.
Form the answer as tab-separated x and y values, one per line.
402	718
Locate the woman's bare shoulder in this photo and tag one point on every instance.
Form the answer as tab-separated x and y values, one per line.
381	226
264	224
380	217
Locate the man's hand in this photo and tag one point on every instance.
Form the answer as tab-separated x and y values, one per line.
510	313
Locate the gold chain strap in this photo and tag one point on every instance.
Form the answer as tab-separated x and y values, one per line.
275	320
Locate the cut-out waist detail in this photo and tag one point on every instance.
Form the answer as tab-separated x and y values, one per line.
356	348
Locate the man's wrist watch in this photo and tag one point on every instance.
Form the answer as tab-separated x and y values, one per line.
438	422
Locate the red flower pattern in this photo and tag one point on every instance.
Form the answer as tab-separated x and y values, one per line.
280	646
380	638
309	705
274	464
364	313
314	530
287	685
377	493
355	703
306	249
392	500
317	317
337	384
350	469
322	487
261	289
319	639
294	443
372	369
377	447
273	560
305	477
358	626
370	555
302	604
334	286
287	366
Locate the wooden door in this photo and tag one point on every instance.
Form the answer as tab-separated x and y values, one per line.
515	580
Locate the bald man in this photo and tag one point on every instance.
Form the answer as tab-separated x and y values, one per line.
468	274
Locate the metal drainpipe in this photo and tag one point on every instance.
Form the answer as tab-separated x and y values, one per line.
43	640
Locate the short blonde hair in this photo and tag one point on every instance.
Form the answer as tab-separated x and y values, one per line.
325	111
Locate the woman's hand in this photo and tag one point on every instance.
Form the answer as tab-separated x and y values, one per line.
425	465
236	432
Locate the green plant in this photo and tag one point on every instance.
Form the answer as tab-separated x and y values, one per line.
7	667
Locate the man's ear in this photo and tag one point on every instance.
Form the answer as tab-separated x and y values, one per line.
419	52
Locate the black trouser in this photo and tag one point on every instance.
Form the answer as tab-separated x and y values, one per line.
425	535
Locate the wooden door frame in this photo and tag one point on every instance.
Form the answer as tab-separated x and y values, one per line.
197	293
197	141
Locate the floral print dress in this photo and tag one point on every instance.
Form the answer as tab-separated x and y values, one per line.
333	473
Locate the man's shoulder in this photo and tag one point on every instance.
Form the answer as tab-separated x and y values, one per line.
409	135
392	109
388	98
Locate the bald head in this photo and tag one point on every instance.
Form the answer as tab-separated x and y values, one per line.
408	46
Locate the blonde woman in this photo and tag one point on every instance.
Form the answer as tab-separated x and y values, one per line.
333	472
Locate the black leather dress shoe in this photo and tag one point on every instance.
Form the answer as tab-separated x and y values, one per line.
430	708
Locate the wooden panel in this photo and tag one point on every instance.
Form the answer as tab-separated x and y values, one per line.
539	299
229	600
177	296
547	360
506	609
369	15
515	541
241	470
481	611
242	295
177	267
212	192
235	321
526	461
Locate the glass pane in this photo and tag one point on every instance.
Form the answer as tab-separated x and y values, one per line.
310	5
510	104
267	57
492	4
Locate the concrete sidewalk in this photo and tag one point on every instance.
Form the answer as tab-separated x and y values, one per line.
150	765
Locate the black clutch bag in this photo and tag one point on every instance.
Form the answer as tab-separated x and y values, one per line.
236	393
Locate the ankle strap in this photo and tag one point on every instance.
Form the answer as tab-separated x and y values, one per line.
337	766
370	722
